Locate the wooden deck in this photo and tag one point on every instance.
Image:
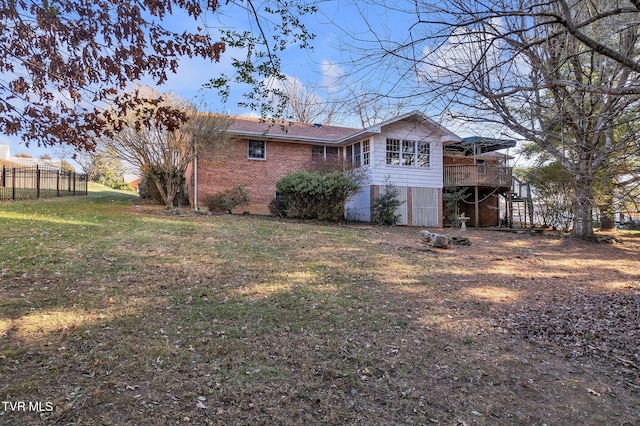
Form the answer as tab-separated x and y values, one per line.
478	175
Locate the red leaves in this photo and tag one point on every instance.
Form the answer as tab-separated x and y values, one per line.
19	86
77	51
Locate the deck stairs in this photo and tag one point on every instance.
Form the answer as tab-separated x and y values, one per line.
519	205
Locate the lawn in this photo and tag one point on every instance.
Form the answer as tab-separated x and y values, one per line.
115	313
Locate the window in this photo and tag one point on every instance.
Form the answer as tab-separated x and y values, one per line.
358	154
331	152
319	153
424	154
366	153
257	150
408	153
393	151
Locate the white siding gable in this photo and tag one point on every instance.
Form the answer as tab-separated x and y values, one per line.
411	176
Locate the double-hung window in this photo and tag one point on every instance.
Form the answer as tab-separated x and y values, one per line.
257	150
408	153
358	154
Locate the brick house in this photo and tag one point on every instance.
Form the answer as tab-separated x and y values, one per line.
407	150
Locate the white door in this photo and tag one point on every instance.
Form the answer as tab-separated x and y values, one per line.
424	209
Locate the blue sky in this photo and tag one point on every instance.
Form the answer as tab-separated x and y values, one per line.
341	29
306	65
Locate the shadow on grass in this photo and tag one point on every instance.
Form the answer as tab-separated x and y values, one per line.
243	321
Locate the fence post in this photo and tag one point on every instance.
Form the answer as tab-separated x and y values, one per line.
73	175
57	183
37	182
13	186
4	176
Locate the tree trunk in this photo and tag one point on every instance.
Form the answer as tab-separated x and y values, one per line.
163	190
583	209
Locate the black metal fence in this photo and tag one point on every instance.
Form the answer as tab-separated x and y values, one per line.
25	182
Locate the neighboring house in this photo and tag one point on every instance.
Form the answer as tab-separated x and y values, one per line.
133	180
5	157
475	164
407	150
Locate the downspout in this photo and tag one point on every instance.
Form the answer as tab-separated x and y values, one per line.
195	180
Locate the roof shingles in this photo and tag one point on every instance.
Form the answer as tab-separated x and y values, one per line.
292	131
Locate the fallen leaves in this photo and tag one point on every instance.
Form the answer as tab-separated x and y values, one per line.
586	323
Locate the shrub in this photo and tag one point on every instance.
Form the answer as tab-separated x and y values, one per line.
385	206
148	190
278	207
312	195
226	201
452	197
631	225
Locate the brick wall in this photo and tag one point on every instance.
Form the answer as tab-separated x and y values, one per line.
487	209
231	167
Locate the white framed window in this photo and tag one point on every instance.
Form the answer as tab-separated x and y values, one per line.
366	153
257	150
393	152
423	150
408	153
358	154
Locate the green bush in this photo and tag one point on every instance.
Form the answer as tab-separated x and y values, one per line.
313	195
112	180
226	201
148	190
385	206
278	207
630	224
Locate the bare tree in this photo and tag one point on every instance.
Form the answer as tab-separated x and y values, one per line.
163	155
62	61
301	103
561	74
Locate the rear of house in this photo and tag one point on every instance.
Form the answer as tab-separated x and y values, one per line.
476	167
406	151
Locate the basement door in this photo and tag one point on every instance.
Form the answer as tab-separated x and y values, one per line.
424	209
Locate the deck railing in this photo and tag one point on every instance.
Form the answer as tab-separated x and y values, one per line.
477	175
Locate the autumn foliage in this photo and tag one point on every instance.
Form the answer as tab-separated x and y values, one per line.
64	61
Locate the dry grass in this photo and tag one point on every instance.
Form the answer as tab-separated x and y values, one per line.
122	314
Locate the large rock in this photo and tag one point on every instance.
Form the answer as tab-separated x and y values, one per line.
434	240
443	241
